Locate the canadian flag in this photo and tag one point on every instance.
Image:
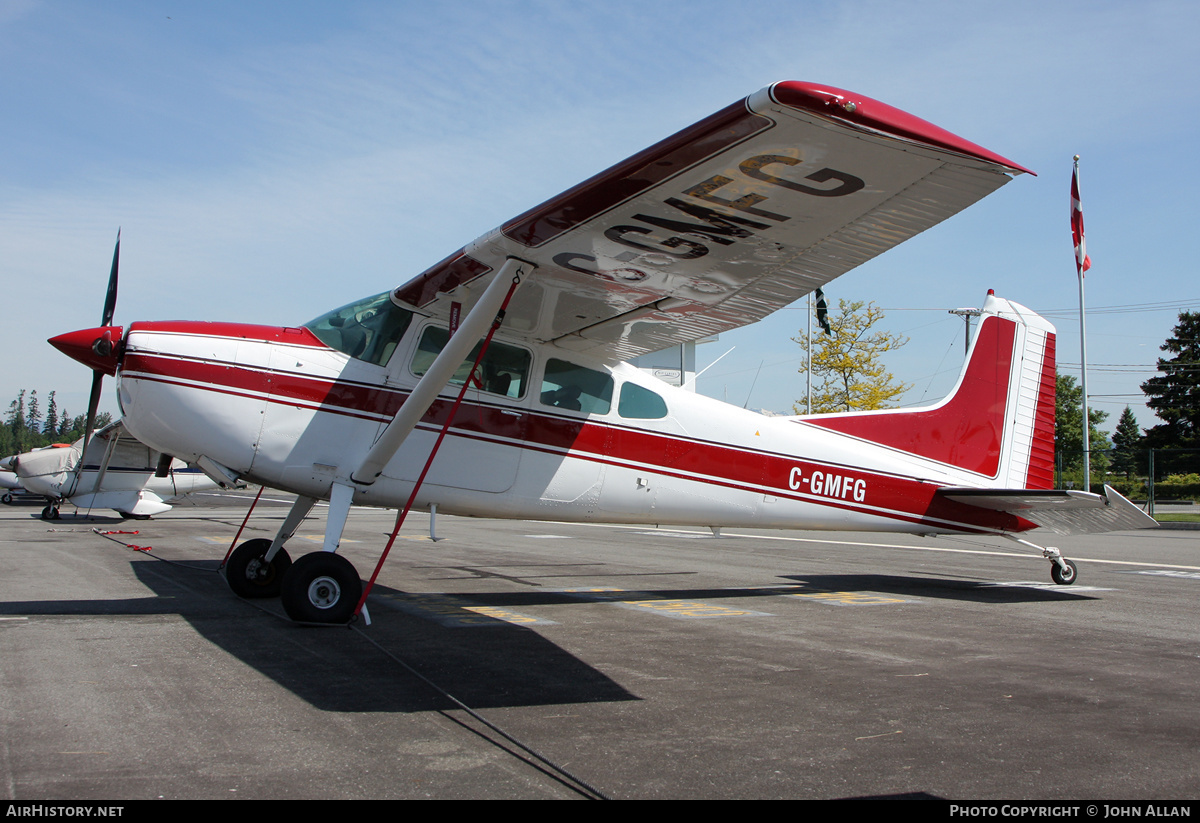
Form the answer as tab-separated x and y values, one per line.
1082	261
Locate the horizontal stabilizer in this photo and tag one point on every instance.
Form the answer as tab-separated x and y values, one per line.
1061	511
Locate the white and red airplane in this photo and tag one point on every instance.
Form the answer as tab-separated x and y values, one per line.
713	228
115	471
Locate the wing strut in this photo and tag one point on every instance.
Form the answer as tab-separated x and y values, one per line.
412	497
472	328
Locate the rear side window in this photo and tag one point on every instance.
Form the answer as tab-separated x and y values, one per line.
575	388
639	403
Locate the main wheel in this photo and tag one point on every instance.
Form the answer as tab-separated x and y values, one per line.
1061	576
321	587
250	576
7	498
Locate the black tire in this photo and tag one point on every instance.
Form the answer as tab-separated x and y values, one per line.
7	498
50	513
321	587
1063	577
249	576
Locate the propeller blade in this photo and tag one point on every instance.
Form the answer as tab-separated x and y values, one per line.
93	404
110	299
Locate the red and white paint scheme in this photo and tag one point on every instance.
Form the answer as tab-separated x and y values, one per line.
711	229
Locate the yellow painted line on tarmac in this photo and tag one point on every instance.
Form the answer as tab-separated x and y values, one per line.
667	607
458	612
849	598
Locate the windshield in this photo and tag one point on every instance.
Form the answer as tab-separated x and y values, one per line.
366	330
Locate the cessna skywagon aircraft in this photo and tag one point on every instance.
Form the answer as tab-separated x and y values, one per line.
115	471
714	228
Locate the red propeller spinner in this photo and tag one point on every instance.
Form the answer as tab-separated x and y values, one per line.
95	348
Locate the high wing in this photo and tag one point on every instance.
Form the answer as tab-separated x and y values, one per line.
721	224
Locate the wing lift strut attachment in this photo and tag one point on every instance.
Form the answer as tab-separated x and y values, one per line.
324	587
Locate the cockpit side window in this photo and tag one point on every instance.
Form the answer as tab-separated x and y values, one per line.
504	370
367	330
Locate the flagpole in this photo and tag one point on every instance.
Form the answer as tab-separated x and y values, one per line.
1080	266
808	348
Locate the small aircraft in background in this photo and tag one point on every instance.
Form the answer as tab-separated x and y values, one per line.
10	484
115	471
509	356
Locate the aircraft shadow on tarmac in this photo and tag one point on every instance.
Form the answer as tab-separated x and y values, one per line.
336	669
899	586
941	588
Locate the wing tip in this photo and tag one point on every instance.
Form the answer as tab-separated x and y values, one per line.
833	102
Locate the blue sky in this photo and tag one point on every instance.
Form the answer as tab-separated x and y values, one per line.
270	161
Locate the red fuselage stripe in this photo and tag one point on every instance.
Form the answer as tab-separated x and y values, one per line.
776	474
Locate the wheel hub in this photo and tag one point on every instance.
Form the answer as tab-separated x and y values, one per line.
324	592
257	570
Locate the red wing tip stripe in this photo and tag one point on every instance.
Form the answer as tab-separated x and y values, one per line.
829	101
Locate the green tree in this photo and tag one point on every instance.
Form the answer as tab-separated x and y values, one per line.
1127	444
1174	395
15	421
847	371
33	417
50	428
1068	429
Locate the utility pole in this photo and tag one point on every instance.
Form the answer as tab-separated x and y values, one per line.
967	314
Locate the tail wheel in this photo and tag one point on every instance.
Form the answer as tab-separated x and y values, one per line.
321	587
252	577
1061	576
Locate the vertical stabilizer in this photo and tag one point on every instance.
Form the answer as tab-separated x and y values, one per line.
997	423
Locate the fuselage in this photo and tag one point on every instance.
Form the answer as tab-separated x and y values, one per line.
543	433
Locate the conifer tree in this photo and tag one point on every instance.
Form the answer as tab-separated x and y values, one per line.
1127	444
50	427
33	414
1174	395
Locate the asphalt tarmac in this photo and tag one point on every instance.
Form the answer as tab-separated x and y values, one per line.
596	660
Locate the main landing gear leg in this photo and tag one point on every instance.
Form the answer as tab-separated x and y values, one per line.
1062	571
257	567
324	587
